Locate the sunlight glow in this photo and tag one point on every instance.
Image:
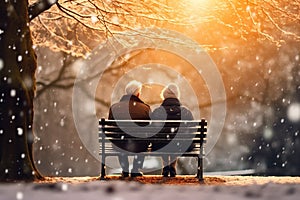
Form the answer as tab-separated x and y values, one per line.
200	7
198	3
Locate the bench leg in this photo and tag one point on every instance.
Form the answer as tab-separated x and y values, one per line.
200	169
103	173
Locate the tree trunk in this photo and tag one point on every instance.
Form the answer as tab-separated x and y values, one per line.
17	79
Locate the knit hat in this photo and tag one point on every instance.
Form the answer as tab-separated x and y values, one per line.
170	91
133	87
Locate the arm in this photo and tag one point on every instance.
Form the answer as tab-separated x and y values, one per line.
110	115
159	114
187	114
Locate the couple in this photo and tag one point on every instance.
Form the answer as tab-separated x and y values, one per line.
132	107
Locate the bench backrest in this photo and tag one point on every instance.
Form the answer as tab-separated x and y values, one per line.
183	133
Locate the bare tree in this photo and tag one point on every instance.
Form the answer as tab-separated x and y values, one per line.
18	62
77	26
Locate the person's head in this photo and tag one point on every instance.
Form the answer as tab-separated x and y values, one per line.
133	88
170	91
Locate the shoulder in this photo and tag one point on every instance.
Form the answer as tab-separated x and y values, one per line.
143	105
186	113
115	105
159	113
158	109
138	101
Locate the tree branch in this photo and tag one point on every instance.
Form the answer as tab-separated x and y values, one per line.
39	6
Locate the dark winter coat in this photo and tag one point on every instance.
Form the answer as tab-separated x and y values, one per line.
171	109
130	107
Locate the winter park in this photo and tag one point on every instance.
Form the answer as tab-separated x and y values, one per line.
154	99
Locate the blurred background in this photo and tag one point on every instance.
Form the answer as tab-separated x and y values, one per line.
257	51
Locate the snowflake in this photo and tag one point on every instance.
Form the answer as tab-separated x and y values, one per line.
1	64
20	58
20	131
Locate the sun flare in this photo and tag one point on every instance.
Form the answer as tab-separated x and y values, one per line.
200	7
199	2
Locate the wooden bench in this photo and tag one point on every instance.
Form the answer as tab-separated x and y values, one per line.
181	138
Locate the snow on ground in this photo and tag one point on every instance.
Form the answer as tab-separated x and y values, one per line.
217	187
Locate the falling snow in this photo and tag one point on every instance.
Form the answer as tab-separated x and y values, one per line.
20	58
62	122
115	20
20	131
64	187
94	19
293	112
39	69
13	93
1	64
19	196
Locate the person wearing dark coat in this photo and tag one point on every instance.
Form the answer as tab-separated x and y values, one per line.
170	109
130	107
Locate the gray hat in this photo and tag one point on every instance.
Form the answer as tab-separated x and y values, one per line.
170	91
133	87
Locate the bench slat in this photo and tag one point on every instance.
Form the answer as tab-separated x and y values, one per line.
154	140
158	135
152	129
111	121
